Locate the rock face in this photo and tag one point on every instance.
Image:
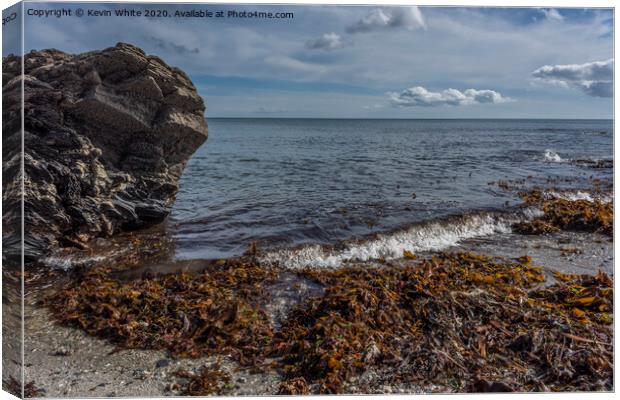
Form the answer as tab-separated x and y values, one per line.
107	135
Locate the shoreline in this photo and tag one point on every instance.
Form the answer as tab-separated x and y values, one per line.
155	245
78	360
81	364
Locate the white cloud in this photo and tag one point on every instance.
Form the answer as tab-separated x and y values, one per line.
327	41
409	18
552	13
594	78
459	47
420	97
295	65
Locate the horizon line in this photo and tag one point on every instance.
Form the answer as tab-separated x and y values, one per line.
429	119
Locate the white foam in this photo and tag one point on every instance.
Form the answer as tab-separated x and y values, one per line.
431	236
579	195
552	156
67	262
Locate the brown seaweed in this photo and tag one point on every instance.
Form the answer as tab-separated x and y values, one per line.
206	382
452	320
189	315
295	386
458	322
571	215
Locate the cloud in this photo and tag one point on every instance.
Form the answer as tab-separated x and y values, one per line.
269	110
293	64
420	97
375	106
552	13
327	41
461	48
174	47
594	78
409	18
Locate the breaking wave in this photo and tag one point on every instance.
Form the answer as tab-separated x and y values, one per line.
67	262
552	156
429	236
579	195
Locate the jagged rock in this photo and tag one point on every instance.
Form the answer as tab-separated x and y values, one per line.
107	135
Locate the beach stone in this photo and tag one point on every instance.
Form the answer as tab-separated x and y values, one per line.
107	135
62	351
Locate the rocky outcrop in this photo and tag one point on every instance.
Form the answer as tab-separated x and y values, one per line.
107	135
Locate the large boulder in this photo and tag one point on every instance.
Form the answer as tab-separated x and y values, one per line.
107	135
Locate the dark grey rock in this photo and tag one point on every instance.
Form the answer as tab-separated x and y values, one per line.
107	135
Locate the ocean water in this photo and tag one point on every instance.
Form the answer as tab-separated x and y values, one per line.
326	191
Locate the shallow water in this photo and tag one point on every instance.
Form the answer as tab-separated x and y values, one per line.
292	182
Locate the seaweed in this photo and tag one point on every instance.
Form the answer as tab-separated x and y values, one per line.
563	214
568	251
206	382
596	164
534	227
580	215
189	315
454	319
295	386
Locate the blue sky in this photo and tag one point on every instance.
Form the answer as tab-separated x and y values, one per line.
366	61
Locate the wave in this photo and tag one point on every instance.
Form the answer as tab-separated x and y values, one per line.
552	156
429	236
69	261
579	195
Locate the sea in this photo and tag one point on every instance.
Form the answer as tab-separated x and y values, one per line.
320	192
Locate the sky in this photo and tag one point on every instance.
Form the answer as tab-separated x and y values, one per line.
367	61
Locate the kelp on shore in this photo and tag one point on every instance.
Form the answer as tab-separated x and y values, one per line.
454	322
189	315
563	214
